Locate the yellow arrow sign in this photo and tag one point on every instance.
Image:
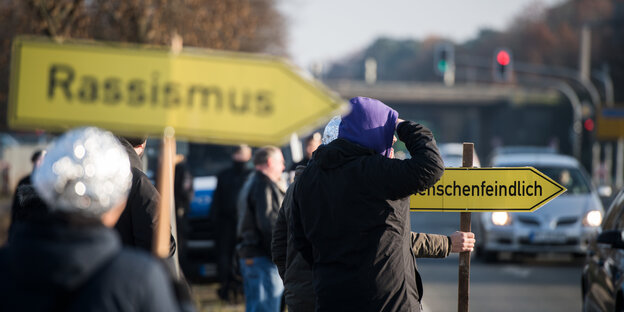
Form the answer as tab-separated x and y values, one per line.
488	189
205	95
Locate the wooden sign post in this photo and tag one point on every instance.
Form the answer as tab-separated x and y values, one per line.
162	232
464	257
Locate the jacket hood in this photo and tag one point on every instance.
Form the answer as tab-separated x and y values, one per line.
55	256
370	123
339	152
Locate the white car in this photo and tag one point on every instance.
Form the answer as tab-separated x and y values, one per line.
452	155
563	225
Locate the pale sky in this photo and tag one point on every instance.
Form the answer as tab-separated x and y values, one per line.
326	30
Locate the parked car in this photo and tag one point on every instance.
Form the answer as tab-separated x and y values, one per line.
602	284
563	225
519	149
452	155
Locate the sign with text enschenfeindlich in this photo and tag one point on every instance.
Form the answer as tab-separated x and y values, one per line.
488	189
207	96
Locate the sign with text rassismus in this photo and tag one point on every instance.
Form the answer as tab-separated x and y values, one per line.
488	189
207	96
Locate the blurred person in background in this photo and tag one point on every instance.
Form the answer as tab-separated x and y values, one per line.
258	204
35	159
350	212
72	260
30	207
138	220
225	216
183	195
311	143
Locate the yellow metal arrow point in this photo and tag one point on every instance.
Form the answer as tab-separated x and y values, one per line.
488	189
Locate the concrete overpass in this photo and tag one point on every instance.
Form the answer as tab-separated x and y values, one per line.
487	114
480	94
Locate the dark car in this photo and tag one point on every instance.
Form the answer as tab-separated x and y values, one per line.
603	274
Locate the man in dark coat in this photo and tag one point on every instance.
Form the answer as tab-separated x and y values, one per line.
350	215
137	222
259	202
225	217
71	260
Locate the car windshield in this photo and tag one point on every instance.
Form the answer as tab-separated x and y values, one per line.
570	178
452	160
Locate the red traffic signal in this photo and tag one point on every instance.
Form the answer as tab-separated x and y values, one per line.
503	58
502	65
588	124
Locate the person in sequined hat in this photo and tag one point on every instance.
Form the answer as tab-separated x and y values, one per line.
72	260
350	212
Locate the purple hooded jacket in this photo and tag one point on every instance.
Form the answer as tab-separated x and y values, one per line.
370	123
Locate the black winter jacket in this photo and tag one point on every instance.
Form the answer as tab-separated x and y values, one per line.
351	220
136	223
229	183
52	267
297	273
293	269
259	204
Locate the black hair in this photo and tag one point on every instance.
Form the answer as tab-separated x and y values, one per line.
35	156
135	141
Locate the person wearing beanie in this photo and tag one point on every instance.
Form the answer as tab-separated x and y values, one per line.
72	259
350	213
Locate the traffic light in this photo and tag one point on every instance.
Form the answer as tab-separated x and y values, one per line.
588	137
588	124
503	65
443	59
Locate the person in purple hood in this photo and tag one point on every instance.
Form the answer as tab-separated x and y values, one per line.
350	213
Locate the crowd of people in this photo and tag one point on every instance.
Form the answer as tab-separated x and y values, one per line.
338	238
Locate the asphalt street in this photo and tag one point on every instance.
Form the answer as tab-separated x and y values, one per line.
546	283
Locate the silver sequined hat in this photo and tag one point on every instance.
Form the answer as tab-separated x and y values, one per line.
331	130
86	171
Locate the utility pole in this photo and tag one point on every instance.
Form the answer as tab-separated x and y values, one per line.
370	70
585	53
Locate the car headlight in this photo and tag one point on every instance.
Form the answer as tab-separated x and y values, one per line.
501	218
593	218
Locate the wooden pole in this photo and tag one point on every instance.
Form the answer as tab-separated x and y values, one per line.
162	232
464	257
